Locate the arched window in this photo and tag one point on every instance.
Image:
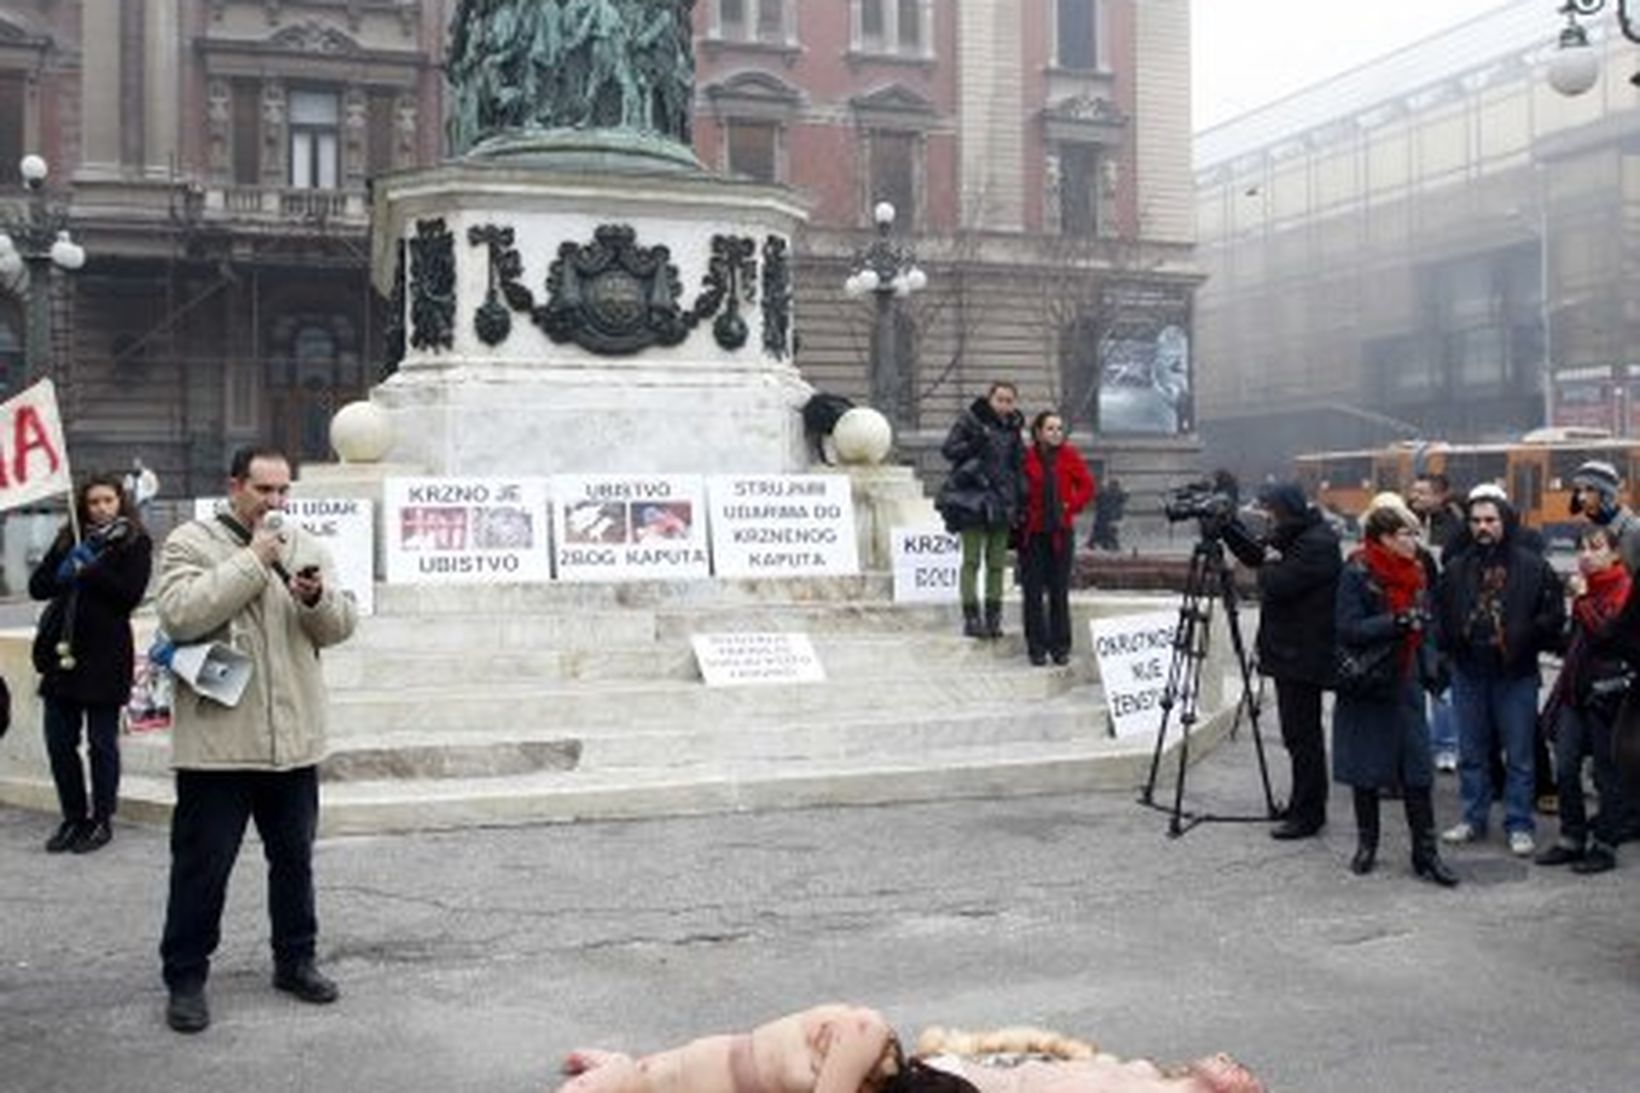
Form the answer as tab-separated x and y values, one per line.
11	346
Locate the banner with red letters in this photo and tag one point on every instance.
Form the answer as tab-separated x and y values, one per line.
33	457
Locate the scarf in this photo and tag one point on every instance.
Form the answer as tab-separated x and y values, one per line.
1402	580
1052	517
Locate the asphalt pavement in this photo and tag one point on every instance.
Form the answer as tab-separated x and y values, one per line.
473	960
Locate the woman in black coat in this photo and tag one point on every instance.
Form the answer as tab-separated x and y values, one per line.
83	652
983	497
1383	741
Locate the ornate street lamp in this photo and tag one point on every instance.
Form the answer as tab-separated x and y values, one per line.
31	243
1576	66
888	272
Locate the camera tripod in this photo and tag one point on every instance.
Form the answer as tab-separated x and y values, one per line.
1209	577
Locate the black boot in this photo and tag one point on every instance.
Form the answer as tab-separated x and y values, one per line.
993	619
971	626
1426	857
1366	832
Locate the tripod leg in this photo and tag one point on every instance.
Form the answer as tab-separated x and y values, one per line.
1184	641
1252	699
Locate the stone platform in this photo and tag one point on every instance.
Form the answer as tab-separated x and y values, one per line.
471	706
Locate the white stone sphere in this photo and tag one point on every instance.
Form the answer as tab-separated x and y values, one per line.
862	435
361	432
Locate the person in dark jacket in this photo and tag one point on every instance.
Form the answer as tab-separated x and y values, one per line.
1591	686
1499	606
981	499
84	655
1108	509
1298	564
1383	743
1443	521
1597	496
1057	487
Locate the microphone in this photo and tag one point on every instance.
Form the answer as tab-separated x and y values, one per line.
274	521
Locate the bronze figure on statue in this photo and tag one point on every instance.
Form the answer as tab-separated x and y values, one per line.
536	66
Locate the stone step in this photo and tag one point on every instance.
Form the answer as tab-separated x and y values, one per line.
377	807
423	600
355	665
499	748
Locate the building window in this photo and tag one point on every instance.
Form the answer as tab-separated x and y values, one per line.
894	26
1077	34
13	114
315	140
247	134
894	174
1080	183
755	20
754	150
11	344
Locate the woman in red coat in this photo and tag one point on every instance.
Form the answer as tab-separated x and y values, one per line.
1057	487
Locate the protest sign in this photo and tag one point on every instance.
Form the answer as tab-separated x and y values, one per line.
609	527
927	562
1134	653
466	530
347	528
782	526
33	456
746	660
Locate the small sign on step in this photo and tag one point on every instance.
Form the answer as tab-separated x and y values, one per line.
749	660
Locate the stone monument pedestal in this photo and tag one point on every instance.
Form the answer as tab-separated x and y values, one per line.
583	322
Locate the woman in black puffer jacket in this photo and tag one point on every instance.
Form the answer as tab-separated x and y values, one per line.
83	652
982	498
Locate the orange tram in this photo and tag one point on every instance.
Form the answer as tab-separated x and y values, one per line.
1536	472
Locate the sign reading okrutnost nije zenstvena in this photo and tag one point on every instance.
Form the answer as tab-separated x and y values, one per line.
466	530
1134	654
609	527
782	526
344	525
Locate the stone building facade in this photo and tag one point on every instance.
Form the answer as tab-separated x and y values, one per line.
215	157
1434	245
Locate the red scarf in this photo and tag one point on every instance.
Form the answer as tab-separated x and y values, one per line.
1608	588
1402	579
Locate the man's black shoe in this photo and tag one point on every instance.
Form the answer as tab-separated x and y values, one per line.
304	981
1559	854
1294	829
68	832
186	1011
93	837
1061	658
1597	860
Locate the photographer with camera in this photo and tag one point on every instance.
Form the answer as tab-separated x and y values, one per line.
1298	565
83	652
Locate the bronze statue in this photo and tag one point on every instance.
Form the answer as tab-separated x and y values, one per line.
521	66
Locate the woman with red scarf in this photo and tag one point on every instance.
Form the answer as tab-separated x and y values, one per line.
1592	684
1381	743
1057	487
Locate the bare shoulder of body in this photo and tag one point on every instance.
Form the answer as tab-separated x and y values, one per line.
826	1049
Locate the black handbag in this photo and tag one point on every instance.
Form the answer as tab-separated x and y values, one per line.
1370	673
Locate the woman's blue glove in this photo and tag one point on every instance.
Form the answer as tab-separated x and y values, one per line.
161	652
74	561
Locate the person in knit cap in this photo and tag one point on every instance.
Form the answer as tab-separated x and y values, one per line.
1381	741
1298	564
1597	495
1499	604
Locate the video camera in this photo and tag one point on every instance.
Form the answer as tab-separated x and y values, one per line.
1199	501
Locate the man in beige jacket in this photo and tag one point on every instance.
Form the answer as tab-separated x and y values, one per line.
269	592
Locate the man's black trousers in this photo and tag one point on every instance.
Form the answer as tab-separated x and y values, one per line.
206	830
1299	707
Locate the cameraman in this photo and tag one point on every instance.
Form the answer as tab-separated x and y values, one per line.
1298	565
83	652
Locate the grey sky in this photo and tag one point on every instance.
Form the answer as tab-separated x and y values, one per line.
1250	52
